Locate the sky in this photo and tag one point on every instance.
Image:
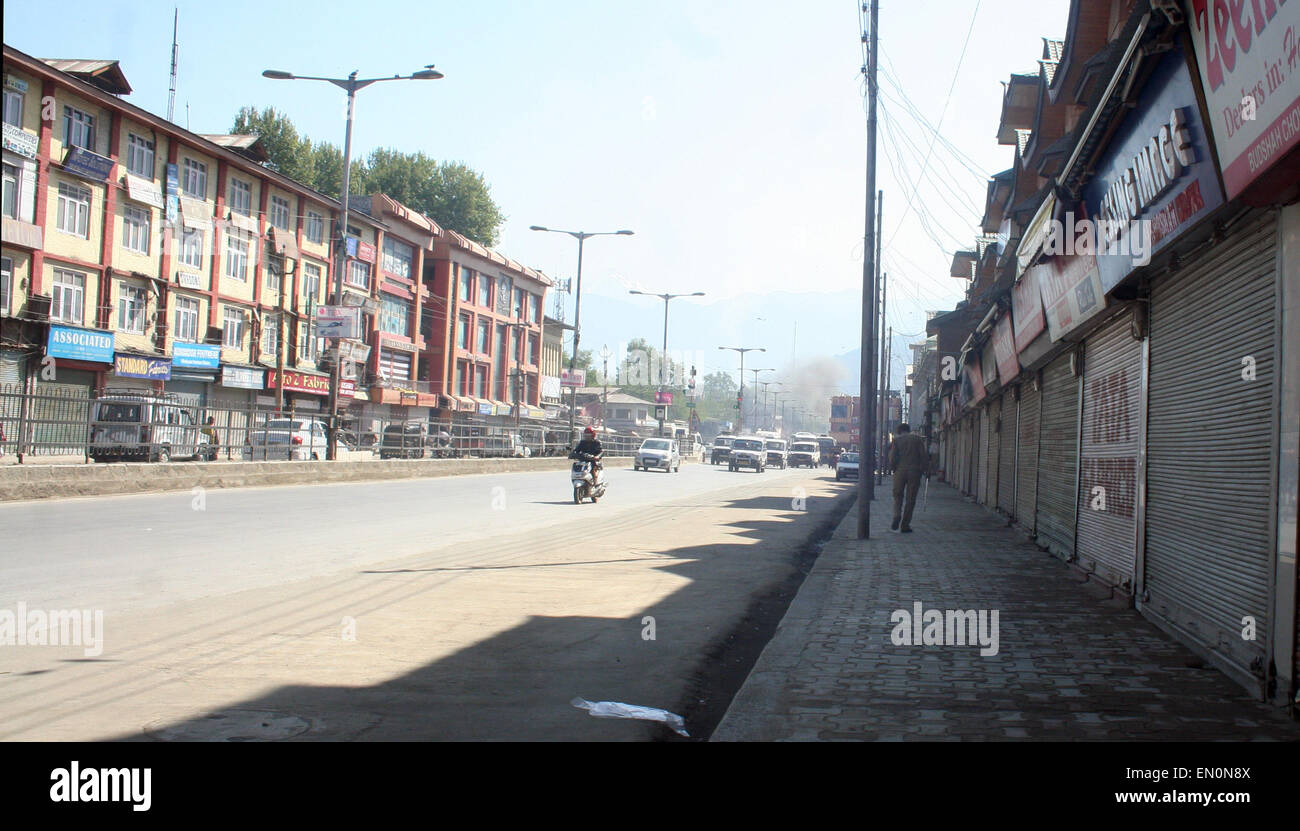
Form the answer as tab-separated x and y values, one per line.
731	137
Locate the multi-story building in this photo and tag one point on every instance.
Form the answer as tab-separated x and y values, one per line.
488	355
845	412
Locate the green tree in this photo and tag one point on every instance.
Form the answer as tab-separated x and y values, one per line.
585	362
288	153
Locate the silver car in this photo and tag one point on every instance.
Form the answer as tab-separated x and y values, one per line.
296	439
152	427
658	454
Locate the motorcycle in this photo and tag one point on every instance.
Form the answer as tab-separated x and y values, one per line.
583	478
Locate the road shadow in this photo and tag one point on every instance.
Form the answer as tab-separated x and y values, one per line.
687	651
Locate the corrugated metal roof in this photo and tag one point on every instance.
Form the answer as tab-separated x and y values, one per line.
248	144
107	75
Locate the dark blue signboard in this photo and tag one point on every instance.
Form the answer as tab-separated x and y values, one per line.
1157	177
88	165
140	366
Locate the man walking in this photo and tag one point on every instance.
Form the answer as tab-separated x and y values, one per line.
910	461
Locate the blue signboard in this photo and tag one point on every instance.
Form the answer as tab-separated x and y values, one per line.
173	193
80	344
87	164
1157	177
140	366
485	409
196	355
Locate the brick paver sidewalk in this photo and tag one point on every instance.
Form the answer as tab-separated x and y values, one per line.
1068	665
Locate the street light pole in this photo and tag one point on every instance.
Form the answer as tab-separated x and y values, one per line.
663	357
581	237
350	84
740	410
754	407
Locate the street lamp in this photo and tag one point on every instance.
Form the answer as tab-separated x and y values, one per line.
580	236
754	407
740	411
765	385
349	84
663	358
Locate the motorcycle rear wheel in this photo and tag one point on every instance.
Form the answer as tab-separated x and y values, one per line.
577	495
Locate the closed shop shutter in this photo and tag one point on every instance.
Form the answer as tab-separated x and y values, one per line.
1210	448
1007	453
1108	451
1027	456
982	457
994	415
1058	454
190	393
11	370
59	418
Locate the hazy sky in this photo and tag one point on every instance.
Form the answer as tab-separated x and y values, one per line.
730	136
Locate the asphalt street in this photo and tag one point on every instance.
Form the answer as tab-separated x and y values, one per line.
471	607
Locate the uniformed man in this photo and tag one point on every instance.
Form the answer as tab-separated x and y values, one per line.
910	461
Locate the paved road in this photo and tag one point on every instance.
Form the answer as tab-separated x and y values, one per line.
461	608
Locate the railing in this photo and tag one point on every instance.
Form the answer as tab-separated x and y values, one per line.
61	423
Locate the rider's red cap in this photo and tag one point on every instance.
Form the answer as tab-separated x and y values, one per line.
590	430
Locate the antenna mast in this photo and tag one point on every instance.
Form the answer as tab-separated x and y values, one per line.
171	96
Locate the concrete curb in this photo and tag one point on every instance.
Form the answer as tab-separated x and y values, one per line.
29	482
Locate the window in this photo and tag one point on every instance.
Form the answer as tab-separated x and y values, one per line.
306	340
395	365
232	329
270	334
78	128
236	258
535	307
462	339
398	257
315	230
132	303
358	274
187	320
13	107
520	309
11	191
466	285
6	284
139	156
273	271
192	247
74	210
241	197
67	298
280	212
194	179
532	349
485	291
311	282
481	385
394	315
135	229
484	333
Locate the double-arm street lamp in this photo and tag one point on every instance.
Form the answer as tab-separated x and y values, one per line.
581	237
740	410
350	85
663	358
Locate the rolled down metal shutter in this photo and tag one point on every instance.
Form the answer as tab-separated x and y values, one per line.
1108	451
1058	458
982	456
11	369
1007	454
1210	448
994	415
1027	456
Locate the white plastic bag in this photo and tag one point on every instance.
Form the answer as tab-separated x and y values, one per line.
613	709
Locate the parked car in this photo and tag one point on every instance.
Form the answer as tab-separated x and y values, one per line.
847	466
296	439
146	426
747	451
776	452
659	454
405	441
721	449
506	445
805	454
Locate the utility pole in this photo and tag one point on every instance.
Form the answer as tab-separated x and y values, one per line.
604	403
867	378
884	380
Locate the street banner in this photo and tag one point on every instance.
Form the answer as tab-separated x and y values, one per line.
338	322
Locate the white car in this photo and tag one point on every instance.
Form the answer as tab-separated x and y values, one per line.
846	466
658	454
287	438
747	451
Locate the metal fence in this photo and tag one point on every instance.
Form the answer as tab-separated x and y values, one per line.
141	426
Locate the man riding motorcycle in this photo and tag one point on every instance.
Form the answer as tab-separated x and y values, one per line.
589	450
